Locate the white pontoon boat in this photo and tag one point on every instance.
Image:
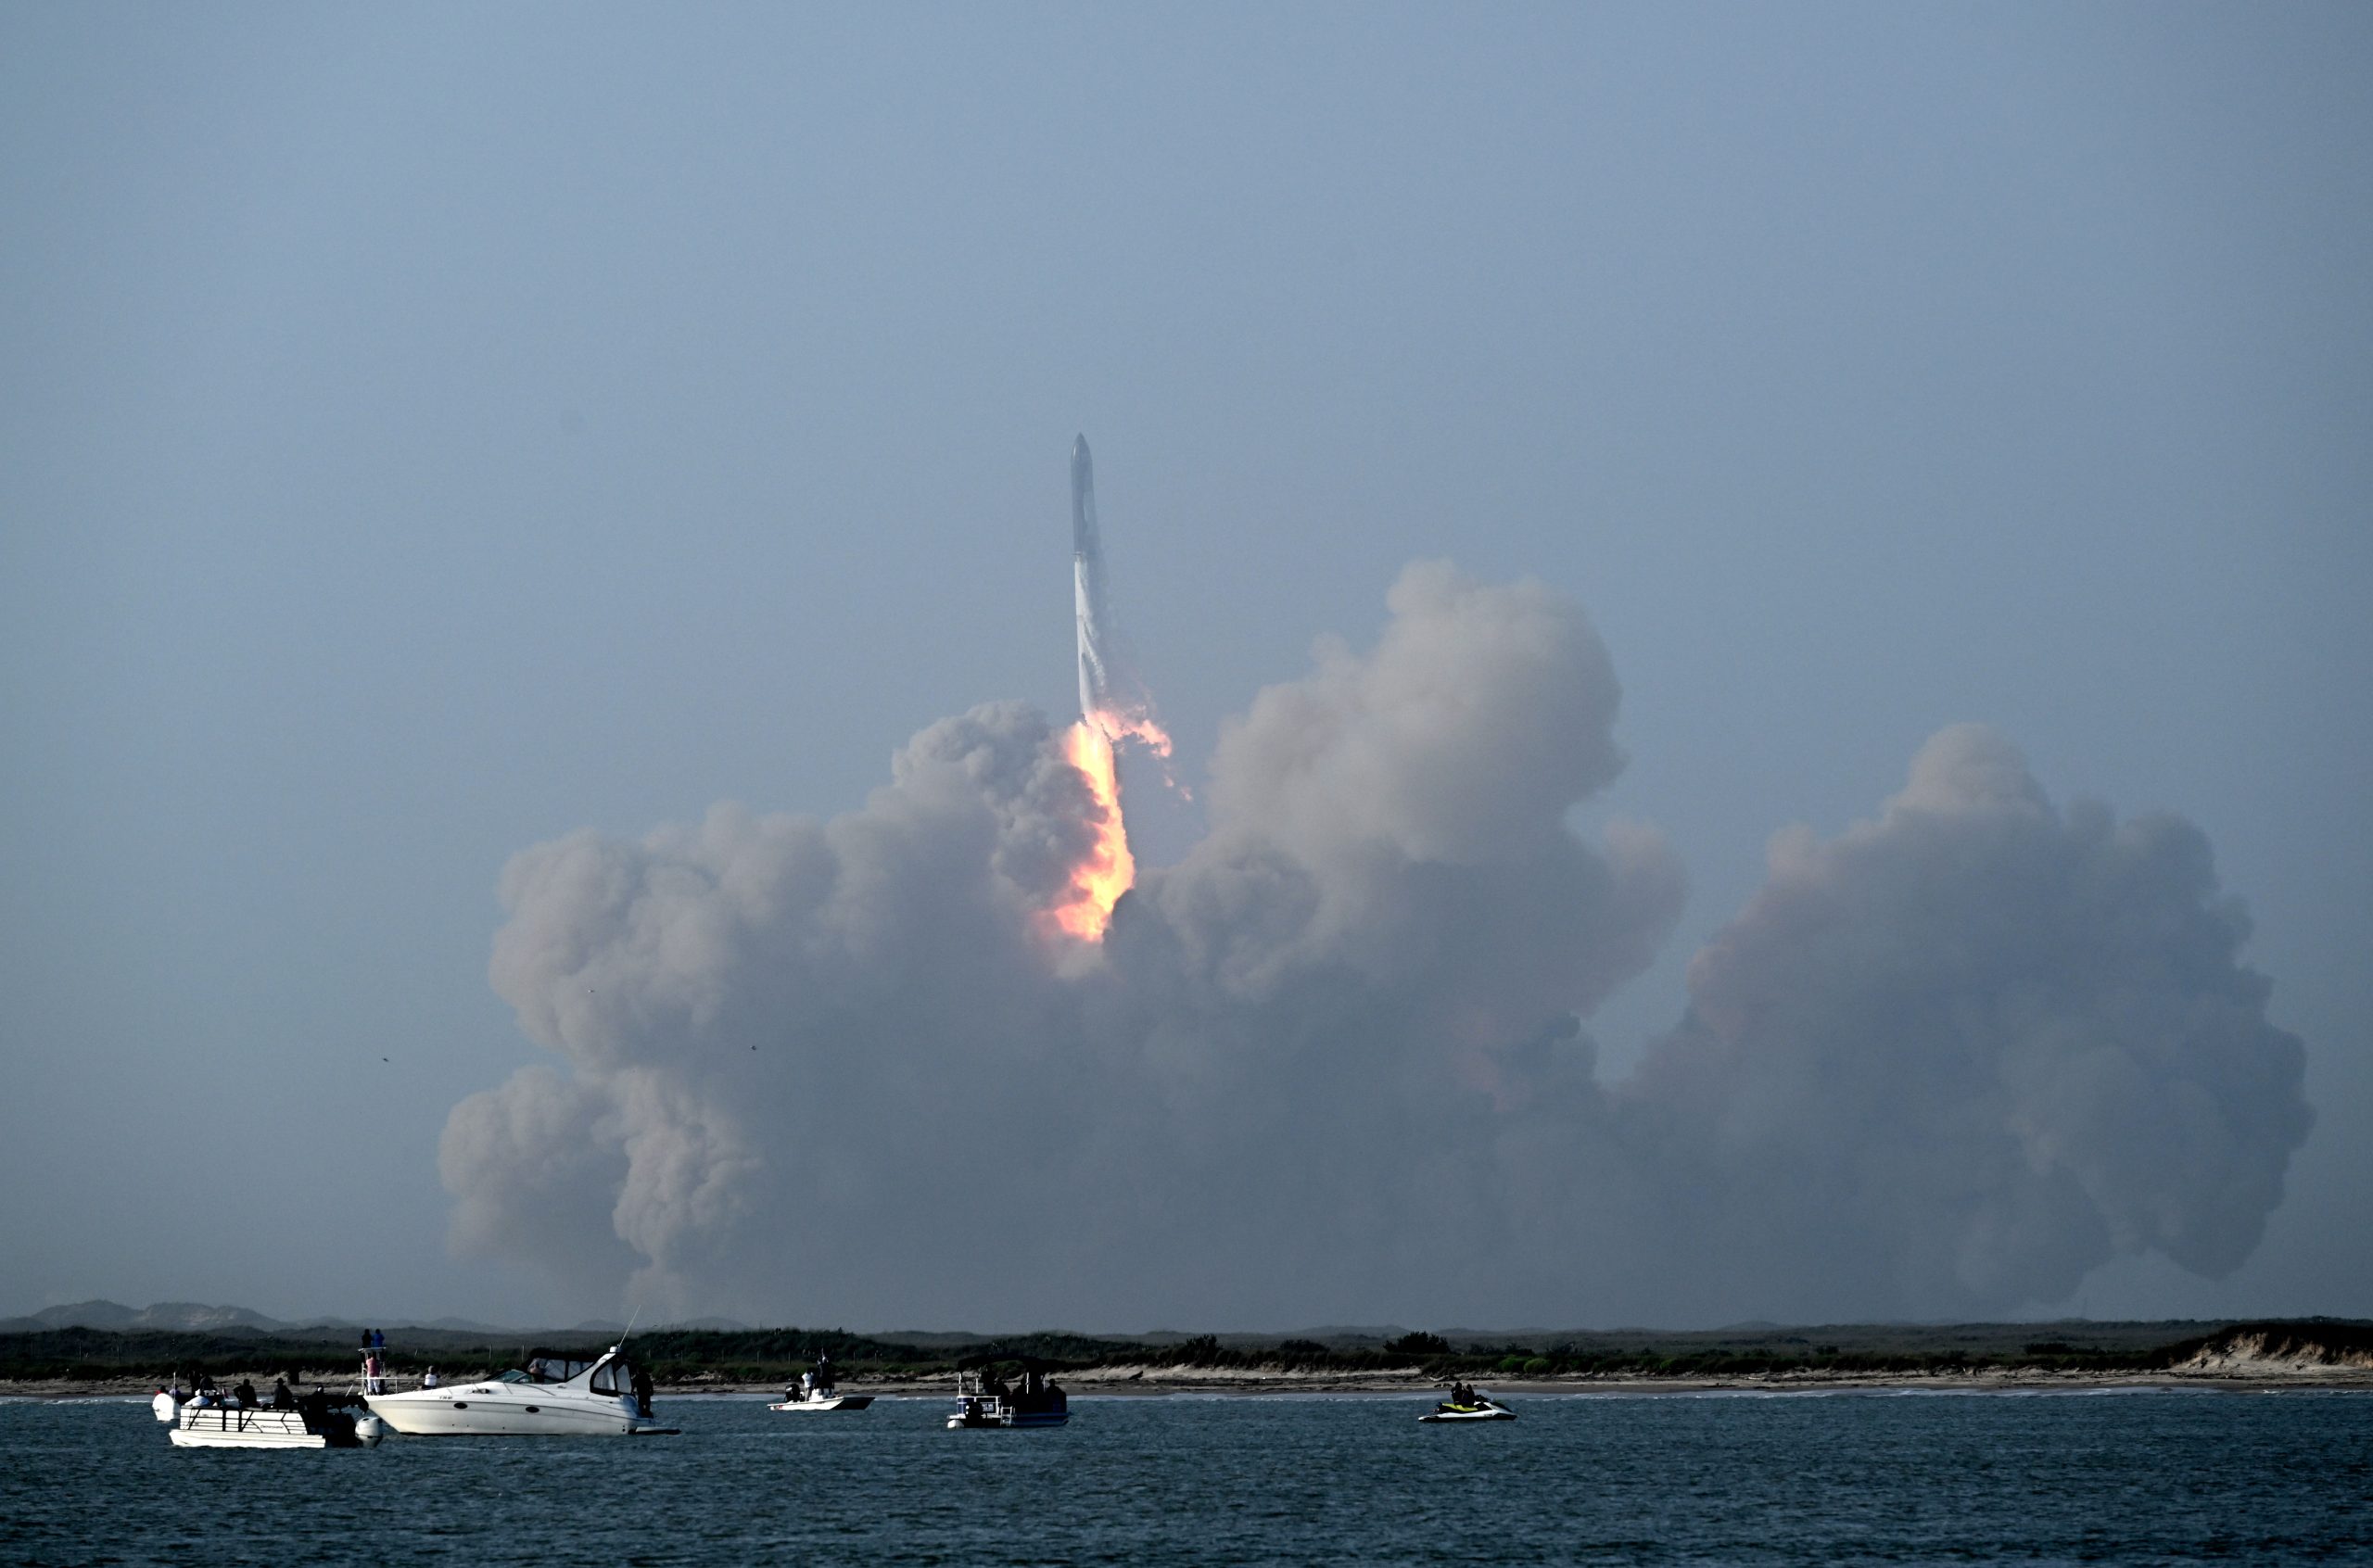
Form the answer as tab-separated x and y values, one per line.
983	1400
316	1421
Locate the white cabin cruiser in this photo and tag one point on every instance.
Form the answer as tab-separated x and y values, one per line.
551	1395
984	1400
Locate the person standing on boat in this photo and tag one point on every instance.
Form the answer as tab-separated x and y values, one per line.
282	1399
641	1384
428	1378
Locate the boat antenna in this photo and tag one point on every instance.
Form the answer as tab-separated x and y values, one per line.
631	1319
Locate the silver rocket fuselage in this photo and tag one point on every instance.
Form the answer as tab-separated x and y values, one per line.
1087	587
1091	658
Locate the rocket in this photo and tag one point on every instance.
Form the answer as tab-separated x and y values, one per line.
1096	651
1113	699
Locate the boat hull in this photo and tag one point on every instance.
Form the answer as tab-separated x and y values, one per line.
839	1402
227	1426
496	1412
963	1423
1489	1412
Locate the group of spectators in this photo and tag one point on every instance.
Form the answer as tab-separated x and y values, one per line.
241	1395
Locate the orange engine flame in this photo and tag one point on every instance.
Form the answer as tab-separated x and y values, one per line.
1100	880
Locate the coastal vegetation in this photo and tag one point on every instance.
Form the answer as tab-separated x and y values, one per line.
693	1357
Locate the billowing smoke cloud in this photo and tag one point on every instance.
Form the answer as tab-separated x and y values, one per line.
1330	1065
1964	1053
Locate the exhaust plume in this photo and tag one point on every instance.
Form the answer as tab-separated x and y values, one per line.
1331	1064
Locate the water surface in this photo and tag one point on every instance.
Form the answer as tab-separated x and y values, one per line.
2148	1476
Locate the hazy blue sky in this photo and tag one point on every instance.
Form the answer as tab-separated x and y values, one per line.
430	430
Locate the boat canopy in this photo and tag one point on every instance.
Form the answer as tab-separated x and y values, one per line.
545	1366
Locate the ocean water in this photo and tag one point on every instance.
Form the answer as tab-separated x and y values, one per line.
2110	1477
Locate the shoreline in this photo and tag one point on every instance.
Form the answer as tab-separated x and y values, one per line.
1146	1383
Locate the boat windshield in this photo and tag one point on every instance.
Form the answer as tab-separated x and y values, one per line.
554	1369
618	1377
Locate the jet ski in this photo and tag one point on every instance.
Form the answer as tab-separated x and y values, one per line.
1480	1407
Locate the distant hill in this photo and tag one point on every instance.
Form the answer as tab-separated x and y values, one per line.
192	1316
187	1316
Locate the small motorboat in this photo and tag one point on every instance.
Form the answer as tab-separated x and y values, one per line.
818	1399
817	1391
318	1421
985	1401
554	1395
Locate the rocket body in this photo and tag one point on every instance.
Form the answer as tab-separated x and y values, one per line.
1095	654
1112	699
1092	681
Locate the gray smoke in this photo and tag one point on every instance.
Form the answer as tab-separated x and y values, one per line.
1330	1065
1960	1054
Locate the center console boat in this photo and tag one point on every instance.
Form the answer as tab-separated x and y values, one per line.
817	1391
